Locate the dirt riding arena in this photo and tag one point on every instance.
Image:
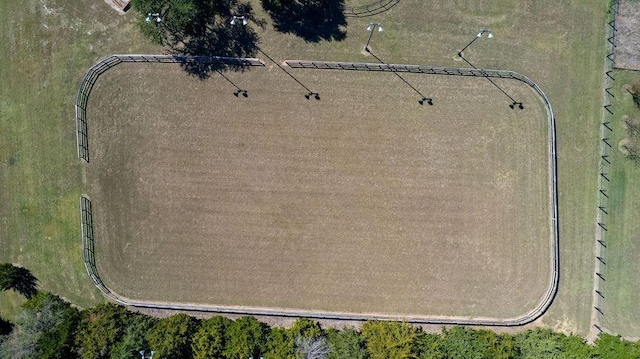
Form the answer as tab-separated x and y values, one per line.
361	202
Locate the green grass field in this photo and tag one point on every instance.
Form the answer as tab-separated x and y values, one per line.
622	286
44	52
558	45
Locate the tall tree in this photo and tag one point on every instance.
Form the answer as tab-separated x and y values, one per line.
209	340
246	337
544	343
389	340
346	343
44	329
136	331
199	27
171	337
312	348
306	328
102	327
18	279
428	346
280	344
463	343
608	346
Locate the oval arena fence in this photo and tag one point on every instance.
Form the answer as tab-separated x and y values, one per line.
105	64
86	210
370	9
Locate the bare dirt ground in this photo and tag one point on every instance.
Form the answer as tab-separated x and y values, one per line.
362	202
627	51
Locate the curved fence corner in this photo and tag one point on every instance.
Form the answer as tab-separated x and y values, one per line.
86	224
538	311
90	78
551	292
86	85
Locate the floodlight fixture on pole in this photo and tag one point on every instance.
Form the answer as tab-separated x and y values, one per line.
242	18
481	33
142	354
372	26
152	16
485	31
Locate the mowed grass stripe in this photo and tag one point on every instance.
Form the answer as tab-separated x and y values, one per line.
39	174
361	202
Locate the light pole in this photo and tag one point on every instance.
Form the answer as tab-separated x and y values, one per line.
144	356
479	35
153	16
372	26
242	19
489	35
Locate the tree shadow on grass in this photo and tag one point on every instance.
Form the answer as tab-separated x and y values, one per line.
312	20
218	37
19	279
201	29
223	40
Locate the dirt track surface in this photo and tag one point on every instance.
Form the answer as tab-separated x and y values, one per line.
361	202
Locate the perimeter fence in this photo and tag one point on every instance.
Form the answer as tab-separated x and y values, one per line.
420	69
105	64
553	183
370	9
87	222
604	173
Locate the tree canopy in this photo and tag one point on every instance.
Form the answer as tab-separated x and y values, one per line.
171	337
102	327
134	337
209	341
199	28
45	328
346	343
389	340
49	327
245	337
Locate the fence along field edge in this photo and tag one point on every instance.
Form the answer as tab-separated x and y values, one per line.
87	222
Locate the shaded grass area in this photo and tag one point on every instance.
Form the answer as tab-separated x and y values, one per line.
45	47
622	286
558	45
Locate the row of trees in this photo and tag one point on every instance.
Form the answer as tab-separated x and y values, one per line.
48	327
